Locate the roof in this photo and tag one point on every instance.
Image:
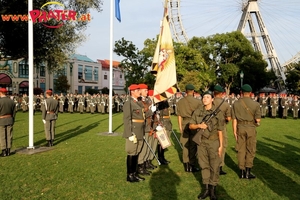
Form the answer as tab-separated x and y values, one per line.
106	63
81	58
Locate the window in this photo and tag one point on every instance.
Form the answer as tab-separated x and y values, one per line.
80	74
42	71
88	73
23	69
96	74
87	88
121	76
79	89
105	77
43	86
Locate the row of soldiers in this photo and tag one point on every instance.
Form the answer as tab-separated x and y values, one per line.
272	105
97	103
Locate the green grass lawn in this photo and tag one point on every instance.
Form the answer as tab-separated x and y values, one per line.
86	165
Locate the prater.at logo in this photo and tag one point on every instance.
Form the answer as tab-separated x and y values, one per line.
56	15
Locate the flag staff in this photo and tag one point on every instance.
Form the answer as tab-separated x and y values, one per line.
111	64
30	81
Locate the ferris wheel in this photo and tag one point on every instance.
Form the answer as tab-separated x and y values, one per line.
203	18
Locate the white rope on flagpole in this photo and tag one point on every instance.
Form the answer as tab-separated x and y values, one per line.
111	64
30	81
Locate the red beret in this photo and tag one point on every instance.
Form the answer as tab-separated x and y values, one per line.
150	93
3	90
134	87
143	86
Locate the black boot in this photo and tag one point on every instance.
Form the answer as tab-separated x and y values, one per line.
7	152
213	193
248	173
135	169
51	141
193	168
48	143
130	172
204	193
142	170
187	167
148	165
161	155
222	172
242	173
3	154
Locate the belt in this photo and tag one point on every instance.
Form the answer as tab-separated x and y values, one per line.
212	137
5	116
50	112
138	120
245	122
166	117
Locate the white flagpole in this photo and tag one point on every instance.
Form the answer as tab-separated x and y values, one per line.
111	64
30	81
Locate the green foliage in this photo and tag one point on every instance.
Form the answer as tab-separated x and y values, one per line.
293	79
51	45
226	55
84	164
61	84
38	91
91	91
105	90
136	64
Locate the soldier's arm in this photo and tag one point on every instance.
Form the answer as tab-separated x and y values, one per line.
234	128
221	143
180	123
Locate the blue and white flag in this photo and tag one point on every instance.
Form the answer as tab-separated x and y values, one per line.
117	10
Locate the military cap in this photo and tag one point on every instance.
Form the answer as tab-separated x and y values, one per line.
246	88
150	93
133	87
208	92
143	86
48	91
218	88
3	90
189	87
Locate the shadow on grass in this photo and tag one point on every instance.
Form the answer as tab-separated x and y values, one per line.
70	133
64	124
283	153
222	194
277	181
163	184
176	144
229	162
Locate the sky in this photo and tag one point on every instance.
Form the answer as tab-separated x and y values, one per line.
201	18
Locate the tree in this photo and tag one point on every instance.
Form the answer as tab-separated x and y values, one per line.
293	79
61	84
51	45
91	91
190	66
38	91
135	63
229	53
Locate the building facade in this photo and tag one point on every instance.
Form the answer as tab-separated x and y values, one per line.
82	73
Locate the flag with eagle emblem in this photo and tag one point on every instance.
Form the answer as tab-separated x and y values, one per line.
164	63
